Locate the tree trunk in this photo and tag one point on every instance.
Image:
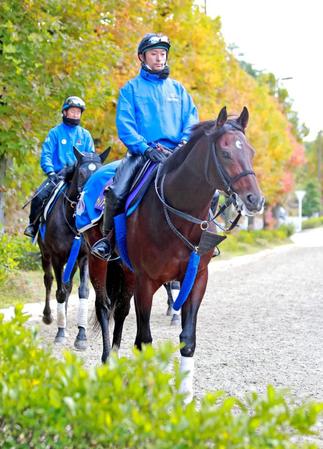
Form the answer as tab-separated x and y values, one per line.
3	164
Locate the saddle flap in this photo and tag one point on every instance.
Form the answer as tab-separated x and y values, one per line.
140	186
53	198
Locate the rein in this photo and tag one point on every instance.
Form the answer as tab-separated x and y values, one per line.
72	205
227	182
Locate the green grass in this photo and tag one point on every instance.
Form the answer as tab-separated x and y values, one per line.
24	286
27	286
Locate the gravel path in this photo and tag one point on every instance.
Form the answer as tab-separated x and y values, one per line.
261	322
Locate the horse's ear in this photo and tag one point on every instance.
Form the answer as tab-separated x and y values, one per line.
77	153
244	118
222	117
105	154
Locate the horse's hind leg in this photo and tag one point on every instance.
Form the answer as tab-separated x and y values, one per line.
98	272
188	334
48	282
174	286
120	287
80	342
144	290
170	301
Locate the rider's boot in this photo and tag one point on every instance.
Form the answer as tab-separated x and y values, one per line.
104	247
35	212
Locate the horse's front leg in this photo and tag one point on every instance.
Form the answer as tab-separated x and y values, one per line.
188	335
48	282
61	298
98	273
80	342
144	290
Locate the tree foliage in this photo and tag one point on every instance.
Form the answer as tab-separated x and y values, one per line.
51	49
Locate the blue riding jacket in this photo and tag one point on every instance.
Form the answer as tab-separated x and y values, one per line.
151	109
57	150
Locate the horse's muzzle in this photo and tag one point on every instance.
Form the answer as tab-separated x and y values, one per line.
250	205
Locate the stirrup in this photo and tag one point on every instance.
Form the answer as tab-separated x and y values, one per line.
30	231
102	249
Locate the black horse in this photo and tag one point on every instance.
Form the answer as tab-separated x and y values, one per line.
55	247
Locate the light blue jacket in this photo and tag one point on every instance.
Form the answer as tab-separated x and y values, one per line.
57	150
151	109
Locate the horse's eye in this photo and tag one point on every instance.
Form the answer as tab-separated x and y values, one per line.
226	155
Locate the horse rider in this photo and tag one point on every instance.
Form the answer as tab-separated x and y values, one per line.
57	156
154	112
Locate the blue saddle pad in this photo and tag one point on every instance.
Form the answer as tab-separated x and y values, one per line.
91	203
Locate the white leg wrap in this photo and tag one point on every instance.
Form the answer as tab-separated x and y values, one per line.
176	312
82	313
187	366
61	316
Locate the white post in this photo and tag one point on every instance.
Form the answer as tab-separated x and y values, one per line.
300	195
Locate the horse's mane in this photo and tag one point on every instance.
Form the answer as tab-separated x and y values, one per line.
197	132
179	156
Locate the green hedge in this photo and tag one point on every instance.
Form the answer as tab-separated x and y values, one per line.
314	222
17	253
242	241
129	403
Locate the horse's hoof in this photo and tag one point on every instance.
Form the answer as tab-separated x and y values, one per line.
80	342
175	321
60	336
48	319
80	345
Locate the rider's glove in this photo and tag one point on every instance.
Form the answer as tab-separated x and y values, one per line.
53	177
66	172
157	154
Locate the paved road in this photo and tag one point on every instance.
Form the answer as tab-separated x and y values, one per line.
261	322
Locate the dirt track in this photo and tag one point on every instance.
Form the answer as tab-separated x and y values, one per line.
260	322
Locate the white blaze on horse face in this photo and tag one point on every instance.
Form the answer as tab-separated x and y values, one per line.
238	144
91	166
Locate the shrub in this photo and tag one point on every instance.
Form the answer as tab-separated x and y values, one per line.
314	222
244	241
129	403
17	253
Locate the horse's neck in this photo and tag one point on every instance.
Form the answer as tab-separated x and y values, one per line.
72	189
187	187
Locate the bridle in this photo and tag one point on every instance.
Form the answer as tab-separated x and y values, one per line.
79	188
226	180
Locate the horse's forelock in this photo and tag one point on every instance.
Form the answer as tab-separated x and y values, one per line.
90	157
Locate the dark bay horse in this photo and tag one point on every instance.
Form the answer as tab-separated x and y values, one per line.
55	247
163	233
167	227
160	240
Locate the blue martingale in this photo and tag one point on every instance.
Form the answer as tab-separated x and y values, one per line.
72	258
189	279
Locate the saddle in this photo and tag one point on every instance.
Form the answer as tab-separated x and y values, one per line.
48	206
140	186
